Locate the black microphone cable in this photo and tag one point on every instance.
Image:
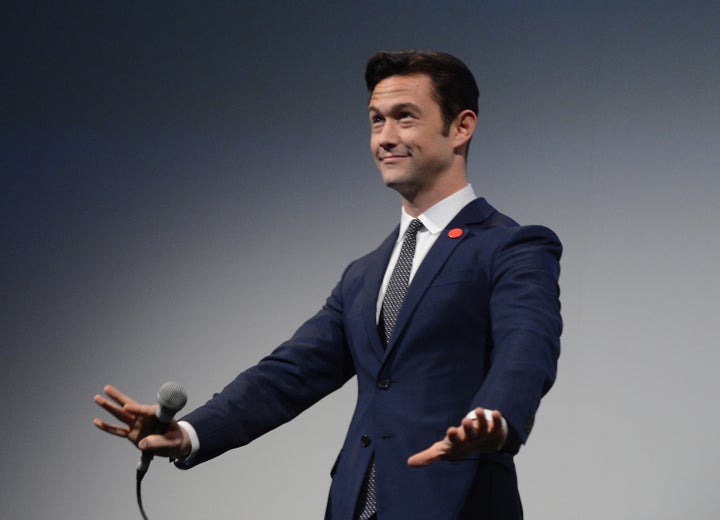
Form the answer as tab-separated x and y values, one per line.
171	398
138	492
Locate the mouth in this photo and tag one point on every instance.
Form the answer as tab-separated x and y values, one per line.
392	158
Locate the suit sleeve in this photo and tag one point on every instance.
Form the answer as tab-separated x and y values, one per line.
525	325
313	363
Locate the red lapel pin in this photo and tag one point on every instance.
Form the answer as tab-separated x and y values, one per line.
455	232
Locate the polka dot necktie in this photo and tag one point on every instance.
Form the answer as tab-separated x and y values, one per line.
399	279
394	296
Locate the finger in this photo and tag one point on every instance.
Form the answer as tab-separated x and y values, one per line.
161	444
173	443
136	409
117	395
472	429
485	420
435	452
420	459
118	412
455	435
120	431
489	416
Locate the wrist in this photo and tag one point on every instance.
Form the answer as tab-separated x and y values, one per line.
189	444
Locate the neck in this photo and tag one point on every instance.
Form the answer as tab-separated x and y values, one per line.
417	202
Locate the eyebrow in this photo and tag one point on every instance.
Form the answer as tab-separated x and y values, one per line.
396	108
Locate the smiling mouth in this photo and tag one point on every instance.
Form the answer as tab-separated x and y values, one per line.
392	158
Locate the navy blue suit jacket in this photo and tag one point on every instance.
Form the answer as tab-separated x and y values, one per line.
480	326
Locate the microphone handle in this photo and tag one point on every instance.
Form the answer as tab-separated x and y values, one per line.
147	456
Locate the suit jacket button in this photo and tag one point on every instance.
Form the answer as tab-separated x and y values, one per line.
365	441
383	384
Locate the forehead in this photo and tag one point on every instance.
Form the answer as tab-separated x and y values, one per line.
416	89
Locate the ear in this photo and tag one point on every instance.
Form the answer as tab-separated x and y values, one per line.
464	127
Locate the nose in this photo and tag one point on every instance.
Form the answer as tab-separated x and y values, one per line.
388	137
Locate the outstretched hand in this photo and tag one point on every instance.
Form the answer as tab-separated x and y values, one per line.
139	420
486	432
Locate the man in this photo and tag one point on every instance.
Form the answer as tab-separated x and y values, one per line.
455	322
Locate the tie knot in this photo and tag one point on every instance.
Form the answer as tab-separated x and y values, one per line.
414	227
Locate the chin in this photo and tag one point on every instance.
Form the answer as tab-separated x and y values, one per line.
404	189
393	178
395	184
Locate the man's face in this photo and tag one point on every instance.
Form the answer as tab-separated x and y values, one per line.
407	140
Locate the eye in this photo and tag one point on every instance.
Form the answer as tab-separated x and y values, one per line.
406	115
376	119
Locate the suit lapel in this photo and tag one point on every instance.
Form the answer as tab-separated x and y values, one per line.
475	212
375	272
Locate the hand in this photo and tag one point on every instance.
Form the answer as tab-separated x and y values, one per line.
485	433
139	420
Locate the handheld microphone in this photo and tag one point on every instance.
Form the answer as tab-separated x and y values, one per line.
171	398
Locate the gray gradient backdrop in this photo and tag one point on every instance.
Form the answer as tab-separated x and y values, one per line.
183	183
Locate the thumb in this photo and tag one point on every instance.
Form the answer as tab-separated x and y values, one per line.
427	456
172	443
153	442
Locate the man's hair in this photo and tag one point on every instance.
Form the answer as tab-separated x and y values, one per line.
454	87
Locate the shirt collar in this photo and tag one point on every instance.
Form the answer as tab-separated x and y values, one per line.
437	217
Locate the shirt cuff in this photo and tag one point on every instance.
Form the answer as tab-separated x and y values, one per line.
489	418
194	444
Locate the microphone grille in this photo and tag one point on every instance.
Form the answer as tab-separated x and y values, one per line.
172	396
